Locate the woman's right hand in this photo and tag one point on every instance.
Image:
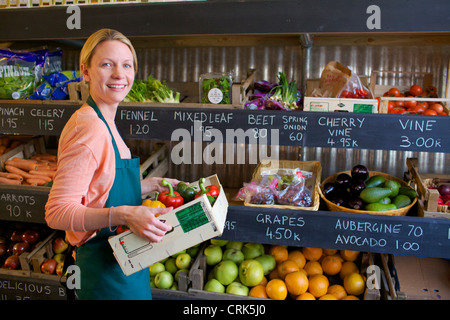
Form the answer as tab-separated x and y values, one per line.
143	221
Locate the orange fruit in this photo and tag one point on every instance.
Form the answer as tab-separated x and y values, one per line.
258	291
274	274
354	284
306	296
276	289
296	283
347	268
263	281
312	253
304	271
328	296
298	257
313	267
337	290
349	255
331	265
318	285
329	252
280	253
286	267
350	297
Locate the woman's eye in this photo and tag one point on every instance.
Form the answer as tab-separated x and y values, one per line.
106	64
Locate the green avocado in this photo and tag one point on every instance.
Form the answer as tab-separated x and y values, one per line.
374	194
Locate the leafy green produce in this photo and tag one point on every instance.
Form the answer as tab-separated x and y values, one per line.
152	90
19	73
215	89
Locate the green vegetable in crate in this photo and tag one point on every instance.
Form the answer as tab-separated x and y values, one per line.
211	191
188	193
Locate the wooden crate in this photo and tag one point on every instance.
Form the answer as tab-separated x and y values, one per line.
427	198
189	93
22	150
423	79
313	183
198	277
157	164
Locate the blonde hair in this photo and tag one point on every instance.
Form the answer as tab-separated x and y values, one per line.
98	37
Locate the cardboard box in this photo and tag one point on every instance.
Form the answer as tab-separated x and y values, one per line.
340	105
193	223
321	104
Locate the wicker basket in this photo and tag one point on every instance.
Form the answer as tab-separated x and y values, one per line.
312	183
397	212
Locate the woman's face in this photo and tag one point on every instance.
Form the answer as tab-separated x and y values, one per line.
111	73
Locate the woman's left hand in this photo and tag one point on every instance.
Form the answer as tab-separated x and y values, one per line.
150	184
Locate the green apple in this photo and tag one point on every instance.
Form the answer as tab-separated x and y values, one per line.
234	255
183	261
192	251
234	245
177	274
237	288
176	254
156	268
214	285
152	282
174	286
171	265
268	262
252	250
251	272
219	242
226	272
213	254
164	280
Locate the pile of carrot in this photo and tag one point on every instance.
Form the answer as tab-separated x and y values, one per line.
7	144
36	171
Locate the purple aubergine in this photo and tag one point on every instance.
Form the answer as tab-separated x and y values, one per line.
360	172
356	186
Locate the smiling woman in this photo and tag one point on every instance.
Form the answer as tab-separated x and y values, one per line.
98	186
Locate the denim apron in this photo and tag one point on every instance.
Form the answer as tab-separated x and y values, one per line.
101	276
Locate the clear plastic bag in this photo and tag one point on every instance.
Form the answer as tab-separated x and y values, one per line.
355	89
278	186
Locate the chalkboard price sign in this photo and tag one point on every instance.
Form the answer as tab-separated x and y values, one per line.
23	203
415	236
267	127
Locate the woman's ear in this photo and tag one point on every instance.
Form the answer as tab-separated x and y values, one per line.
85	73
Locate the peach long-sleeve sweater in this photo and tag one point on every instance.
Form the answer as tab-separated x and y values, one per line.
85	174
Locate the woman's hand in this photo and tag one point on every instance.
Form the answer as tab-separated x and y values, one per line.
150	184
143	222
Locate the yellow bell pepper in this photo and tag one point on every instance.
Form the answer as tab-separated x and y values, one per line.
153	203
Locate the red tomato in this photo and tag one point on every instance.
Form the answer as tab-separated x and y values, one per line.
393	92
436	107
410	103
429	112
423	104
431	91
418	109
416	90
391	105
399	103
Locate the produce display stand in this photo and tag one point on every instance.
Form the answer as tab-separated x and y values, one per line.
25	203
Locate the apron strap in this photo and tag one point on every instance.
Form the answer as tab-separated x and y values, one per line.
92	103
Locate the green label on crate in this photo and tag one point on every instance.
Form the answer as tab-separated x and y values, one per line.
192	217
363	108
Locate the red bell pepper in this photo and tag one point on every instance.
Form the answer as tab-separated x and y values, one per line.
169	197
211	191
